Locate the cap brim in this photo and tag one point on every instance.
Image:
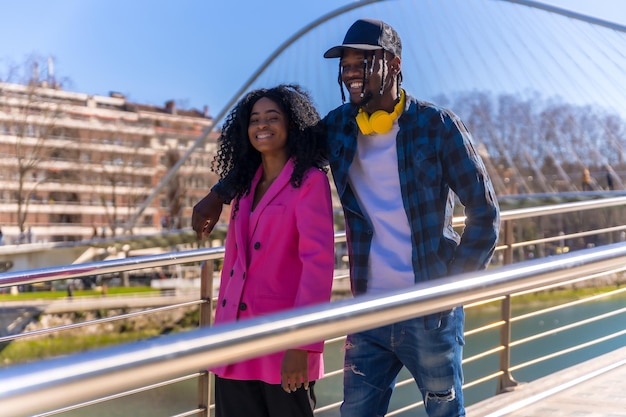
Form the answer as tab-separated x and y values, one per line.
337	51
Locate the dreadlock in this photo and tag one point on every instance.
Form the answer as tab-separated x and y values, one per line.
238	160
398	83
382	79
343	96
364	75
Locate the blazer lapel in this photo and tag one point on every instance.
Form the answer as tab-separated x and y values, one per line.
279	183
243	216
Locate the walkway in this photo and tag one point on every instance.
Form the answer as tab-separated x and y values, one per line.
592	389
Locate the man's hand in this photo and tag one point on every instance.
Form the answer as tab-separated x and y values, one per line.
206	214
295	370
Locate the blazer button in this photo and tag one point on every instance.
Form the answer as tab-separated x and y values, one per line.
244	275
242	306
223	302
232	272
257	245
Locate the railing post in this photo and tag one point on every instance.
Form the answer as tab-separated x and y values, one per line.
506	382
206	292
508	241
206	312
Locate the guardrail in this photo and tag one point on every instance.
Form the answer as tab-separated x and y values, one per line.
107	374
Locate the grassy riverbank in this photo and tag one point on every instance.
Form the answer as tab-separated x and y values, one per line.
52	295
93	336
560	294
28	350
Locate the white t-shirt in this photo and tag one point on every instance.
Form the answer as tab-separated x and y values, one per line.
374	178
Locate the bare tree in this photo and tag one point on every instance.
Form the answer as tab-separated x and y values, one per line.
29	120
544	144
121	188
175	192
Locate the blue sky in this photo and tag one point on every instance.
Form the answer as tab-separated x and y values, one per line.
198	52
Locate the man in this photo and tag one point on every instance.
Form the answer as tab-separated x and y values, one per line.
397	164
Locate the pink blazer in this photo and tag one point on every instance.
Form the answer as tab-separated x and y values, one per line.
278	257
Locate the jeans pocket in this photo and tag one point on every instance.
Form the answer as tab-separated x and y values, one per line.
436	320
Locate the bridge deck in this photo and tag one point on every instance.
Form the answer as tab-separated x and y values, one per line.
591	389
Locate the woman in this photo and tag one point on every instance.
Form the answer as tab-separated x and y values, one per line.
279	247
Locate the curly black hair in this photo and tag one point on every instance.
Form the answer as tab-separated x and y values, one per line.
238	160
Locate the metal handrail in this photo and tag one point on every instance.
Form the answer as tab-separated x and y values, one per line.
505	380
8	279
106	371
103	320
121	395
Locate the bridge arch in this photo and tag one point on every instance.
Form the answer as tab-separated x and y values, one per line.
544	67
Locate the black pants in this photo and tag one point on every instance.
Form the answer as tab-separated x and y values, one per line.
235	398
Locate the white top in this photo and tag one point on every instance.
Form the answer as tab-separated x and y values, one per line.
374	178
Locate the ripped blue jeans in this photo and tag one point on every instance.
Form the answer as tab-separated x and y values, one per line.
430	347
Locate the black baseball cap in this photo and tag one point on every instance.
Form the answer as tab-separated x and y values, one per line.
368	35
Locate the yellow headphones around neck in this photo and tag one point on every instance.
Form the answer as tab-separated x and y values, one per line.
380	121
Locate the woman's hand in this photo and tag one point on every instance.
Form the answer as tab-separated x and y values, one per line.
295	370
206	214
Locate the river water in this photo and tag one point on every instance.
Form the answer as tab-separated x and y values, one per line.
181	397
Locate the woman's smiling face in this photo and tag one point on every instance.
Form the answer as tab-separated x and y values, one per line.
267	128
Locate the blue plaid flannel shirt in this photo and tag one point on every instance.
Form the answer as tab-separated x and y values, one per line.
435	158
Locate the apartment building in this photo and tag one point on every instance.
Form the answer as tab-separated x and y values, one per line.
74	166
